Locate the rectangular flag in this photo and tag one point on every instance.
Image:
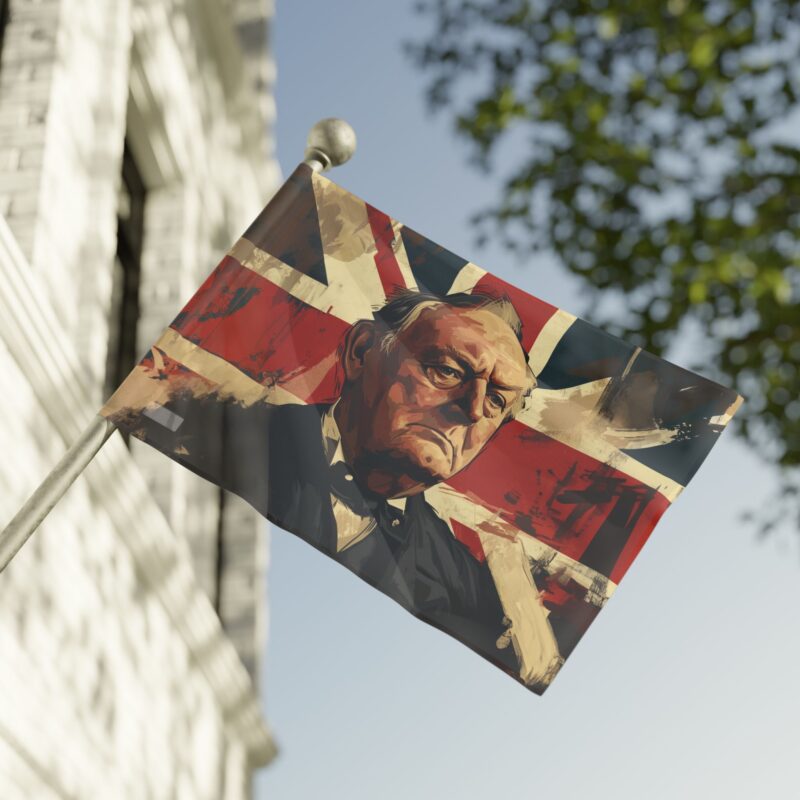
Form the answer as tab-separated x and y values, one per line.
489	461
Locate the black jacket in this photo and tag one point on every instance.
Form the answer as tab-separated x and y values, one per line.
273	457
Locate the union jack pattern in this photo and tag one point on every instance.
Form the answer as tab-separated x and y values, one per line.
563	497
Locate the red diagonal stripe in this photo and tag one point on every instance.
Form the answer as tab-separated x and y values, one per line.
261	329
532	311
561	496
388	268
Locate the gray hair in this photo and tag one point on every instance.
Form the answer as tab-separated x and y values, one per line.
405	306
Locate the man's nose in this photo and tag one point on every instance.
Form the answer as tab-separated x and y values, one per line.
473	398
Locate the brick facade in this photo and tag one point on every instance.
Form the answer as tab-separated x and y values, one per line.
132	624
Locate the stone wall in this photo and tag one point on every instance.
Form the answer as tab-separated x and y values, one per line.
128	651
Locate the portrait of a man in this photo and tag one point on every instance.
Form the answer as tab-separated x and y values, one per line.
425	385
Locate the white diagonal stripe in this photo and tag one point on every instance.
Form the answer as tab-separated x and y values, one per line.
549	336
401	256
467	277
341	297
451	504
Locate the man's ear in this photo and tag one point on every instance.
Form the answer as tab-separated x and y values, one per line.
357	342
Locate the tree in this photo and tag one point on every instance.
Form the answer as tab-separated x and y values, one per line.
663	145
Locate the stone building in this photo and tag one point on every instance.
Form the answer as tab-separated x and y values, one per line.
135	146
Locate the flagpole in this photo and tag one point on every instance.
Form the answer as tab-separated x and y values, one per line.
330	142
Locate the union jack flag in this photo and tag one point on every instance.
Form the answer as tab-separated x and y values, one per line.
559	502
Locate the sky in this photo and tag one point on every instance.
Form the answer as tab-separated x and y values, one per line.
686	684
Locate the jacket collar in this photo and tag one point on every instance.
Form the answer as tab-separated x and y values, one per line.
332	445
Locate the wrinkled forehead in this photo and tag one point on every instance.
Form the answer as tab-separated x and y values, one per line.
487	341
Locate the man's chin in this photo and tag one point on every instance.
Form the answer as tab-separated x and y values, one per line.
425	466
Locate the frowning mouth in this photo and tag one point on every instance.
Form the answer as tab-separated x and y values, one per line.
439	437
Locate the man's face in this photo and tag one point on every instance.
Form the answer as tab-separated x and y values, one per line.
429	405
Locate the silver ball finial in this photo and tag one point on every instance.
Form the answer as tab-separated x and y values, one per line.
330	143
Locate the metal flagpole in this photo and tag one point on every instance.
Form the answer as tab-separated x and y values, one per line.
330	143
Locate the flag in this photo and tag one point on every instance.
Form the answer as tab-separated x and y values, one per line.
487	460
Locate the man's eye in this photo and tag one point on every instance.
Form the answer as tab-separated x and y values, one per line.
442	375
497	400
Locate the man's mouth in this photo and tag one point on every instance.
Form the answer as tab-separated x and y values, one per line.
442	440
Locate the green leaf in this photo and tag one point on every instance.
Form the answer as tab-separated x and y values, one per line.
703	52
608	25
698	292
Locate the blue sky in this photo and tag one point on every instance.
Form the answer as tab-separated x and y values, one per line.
684	687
